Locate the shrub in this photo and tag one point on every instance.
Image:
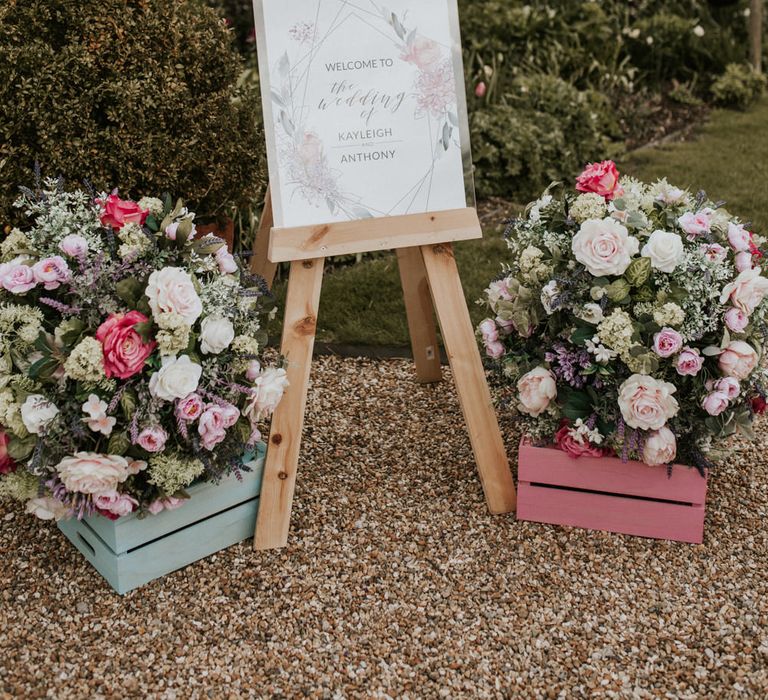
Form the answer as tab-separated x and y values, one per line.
739	87
143	94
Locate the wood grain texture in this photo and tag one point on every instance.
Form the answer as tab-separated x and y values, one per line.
421	316
364	236
300	326
260	262
469	375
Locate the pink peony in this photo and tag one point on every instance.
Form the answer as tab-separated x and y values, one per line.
253	371
117	212
73	245
190	408
739	238
52	272
573	445
7	465
17	278
600	178
536	390
114	503
422	52
152	439
736	320
124	350
489	330
747	291
696	224
738	360
728	386
743	261
660	448
715	403
215	422
689	362
667	342
88	472
495	350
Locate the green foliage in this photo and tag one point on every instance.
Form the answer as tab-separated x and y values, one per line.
739	87
143	95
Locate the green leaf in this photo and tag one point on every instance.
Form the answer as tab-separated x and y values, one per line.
70	331
128	403
44	368
582	334
129	290
20	449
119	443
577	404
144	329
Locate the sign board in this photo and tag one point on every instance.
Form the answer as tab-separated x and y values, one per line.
364	109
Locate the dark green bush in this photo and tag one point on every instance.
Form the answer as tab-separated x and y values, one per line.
141	94
739	87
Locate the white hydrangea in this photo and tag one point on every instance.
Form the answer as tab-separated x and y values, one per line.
588	206
669	315
153	205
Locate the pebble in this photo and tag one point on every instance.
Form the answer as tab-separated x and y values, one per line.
397	583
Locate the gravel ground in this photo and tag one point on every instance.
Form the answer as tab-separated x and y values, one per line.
397	583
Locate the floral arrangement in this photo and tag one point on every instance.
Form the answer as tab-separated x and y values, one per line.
631	321
129	356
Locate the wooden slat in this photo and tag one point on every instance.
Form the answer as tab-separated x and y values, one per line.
610	475
421	317
469	375
350	237
260	262
284	445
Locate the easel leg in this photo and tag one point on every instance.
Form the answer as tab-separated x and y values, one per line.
421	317
468	373
277	490
260	264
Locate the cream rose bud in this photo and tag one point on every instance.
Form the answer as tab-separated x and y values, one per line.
88	472
591	313
37	413
665	250
738	360
268	391
176	379
47	508
660	448
171	290
647	403
216	334
604	247
747	291
536	390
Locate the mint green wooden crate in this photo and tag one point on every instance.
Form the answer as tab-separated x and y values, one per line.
131	551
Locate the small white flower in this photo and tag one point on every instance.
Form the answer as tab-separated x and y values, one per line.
94	407
591	313
37	413
698	30
548	295
216	334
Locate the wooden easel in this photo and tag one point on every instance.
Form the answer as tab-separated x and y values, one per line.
430	278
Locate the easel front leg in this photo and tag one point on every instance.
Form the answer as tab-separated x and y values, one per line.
471	383
260	263
281	466
421	316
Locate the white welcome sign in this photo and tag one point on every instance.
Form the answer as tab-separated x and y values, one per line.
365	109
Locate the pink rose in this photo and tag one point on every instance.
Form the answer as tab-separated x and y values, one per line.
604	247
600	178
17	278
489	330
73	245
499	291
51	272
7	465
689	362
660	448
253	371
190	408
162	504
495	350
747	291
739	238
506	326
573	445
422	52
172	290
117	212
667	342
480	90
214	423
119	504
728	386
647	403
714	252
736	320
696	224
267	393
226	261
715	403
738	360
743	261
536	390
88	472
152	439
124	350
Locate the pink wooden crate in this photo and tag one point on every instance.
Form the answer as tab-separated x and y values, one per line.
606	494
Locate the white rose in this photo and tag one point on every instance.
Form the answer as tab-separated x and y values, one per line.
548	295
176	379
591	313
37	413
536	391
89	472
216	334
268	390
47	508
647	403
660	448
171	290
665	250
604	247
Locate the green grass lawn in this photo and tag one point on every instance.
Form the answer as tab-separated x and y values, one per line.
728	157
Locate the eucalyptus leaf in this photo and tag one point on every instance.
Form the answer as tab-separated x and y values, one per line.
20	449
